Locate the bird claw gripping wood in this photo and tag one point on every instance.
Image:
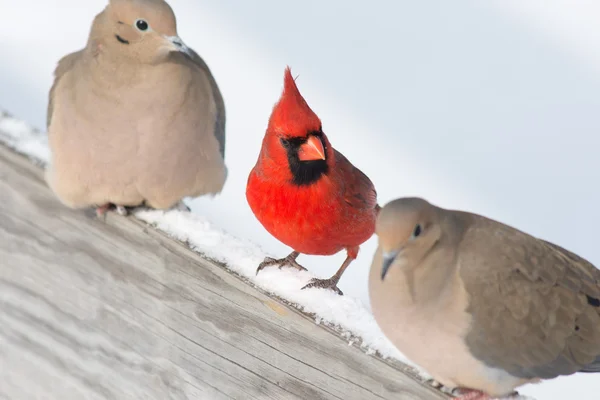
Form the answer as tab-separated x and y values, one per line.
468	394
330	283
289	260
122	210
103	209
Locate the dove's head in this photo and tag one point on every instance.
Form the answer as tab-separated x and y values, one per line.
408	229
140	30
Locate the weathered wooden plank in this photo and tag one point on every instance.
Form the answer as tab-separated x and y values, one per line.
114	309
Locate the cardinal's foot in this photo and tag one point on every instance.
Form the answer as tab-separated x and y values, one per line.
289	261
330	283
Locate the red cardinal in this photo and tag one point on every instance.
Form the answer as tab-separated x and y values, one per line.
306	193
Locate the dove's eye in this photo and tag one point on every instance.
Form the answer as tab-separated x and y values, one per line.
416	232
142	25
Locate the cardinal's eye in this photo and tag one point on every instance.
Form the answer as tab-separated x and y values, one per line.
284	142
142	25
417	232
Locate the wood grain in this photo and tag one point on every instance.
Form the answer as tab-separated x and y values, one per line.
93	309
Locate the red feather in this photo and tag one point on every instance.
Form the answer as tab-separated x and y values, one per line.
335	212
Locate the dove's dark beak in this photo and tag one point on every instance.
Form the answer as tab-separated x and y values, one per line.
176	44
388	260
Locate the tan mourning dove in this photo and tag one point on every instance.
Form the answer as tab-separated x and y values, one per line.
480	305
136	116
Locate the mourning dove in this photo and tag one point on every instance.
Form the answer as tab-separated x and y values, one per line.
481	305
136	116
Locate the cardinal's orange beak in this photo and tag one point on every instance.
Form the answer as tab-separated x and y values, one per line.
312	150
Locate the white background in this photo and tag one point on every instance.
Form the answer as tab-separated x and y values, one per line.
491	107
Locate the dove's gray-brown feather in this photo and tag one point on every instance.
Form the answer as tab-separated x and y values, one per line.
593	367
535	306
218	99
64	65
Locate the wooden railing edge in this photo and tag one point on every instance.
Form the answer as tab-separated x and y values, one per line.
337	331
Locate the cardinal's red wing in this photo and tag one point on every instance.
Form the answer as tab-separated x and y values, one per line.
359	191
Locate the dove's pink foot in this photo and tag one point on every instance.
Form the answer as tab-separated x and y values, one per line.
469	394
100	211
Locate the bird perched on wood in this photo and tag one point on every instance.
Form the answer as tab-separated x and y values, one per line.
306	193
136	116
480	305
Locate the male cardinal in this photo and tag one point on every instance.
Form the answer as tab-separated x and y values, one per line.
306	193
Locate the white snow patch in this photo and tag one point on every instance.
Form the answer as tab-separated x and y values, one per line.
242	257
24	139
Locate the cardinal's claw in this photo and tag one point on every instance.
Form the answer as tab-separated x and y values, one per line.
324	284
289	261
